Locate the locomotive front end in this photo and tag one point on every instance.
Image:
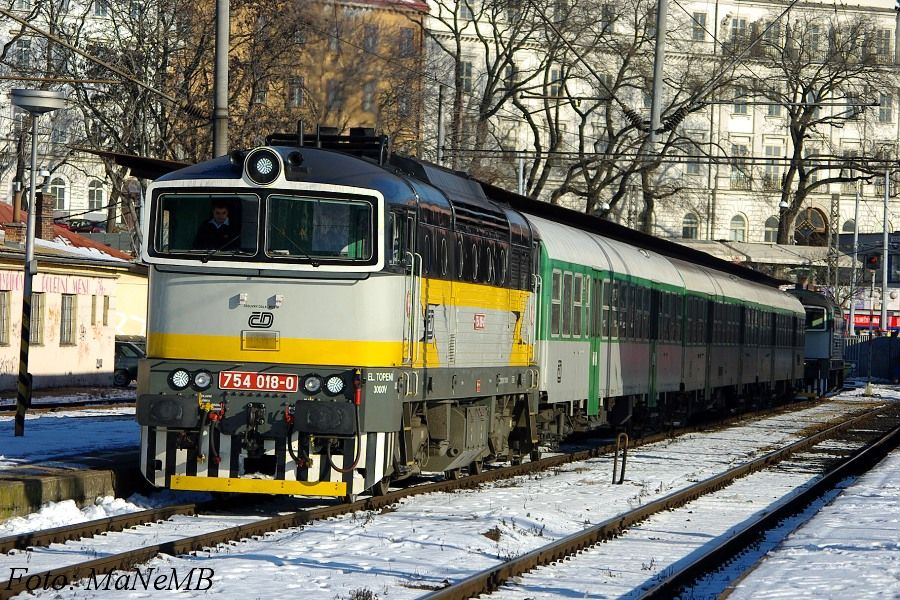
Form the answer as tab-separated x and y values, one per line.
269	339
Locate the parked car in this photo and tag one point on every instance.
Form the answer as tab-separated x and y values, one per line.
126	365
86	226
62	224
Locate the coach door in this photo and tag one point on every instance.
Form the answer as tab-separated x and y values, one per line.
595	332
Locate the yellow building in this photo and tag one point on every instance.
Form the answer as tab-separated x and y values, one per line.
335	63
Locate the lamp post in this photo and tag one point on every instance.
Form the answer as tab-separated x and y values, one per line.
35	102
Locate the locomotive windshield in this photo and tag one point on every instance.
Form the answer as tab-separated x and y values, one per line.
207	224
226	226
310	228
815	318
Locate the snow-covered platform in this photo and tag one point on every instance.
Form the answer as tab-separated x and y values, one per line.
850	549
68	455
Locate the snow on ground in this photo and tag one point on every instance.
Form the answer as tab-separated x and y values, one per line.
633	561
57	514
53	435
403	551
850	549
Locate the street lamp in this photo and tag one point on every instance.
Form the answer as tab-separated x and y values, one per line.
36	103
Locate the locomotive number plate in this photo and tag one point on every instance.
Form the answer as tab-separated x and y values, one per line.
258	382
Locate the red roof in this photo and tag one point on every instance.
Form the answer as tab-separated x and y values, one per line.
72	238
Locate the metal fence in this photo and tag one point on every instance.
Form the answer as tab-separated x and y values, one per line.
875	356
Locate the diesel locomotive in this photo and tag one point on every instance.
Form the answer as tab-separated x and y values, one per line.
325	317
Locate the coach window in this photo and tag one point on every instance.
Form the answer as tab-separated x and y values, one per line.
586	306
614	309
567	304
555	311
576	323
606	294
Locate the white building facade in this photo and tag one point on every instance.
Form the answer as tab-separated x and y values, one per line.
714	193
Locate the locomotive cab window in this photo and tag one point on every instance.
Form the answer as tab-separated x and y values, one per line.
816	319
211	225
311	228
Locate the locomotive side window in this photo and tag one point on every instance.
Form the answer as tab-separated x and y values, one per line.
460	254
445	260
212	225
308	228
555	310
815	318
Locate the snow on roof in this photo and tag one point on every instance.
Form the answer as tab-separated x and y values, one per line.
62	244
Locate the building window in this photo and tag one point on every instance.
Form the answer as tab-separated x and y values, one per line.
813	41
368	99
334	98
854	108
698	30
772	176
370	38
466	75
94	309
58	191
738	229
295	92
774	110
886	108
261	91
36	334
407	42
67	320
607	18
465	10
849	226
740	171
738	30
883	45
692	166
95	194
772	37
22	54
4	318
105	310
740	100
690	227
555	82
404	104
770	230
101	8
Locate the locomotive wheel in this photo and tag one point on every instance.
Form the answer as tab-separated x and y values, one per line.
476	467
452	474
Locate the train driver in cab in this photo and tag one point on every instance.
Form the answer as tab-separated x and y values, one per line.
218	233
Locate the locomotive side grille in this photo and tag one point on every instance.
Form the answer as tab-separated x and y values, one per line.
260	340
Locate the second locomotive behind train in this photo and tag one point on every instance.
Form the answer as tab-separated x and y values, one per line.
325	319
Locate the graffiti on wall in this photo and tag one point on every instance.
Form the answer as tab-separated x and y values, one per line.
56	284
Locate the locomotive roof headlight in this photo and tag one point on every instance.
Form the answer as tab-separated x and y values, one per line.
179	379
312	384
262	166
334	385
202	380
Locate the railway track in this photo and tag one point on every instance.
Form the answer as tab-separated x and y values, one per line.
126	560
674	580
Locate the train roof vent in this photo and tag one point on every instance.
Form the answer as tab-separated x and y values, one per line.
361	141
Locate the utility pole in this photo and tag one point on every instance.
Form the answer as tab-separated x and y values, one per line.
884	252
833	254
440	126
852	318
220	111
662	8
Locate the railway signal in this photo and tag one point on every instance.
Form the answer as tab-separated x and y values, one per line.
873	261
